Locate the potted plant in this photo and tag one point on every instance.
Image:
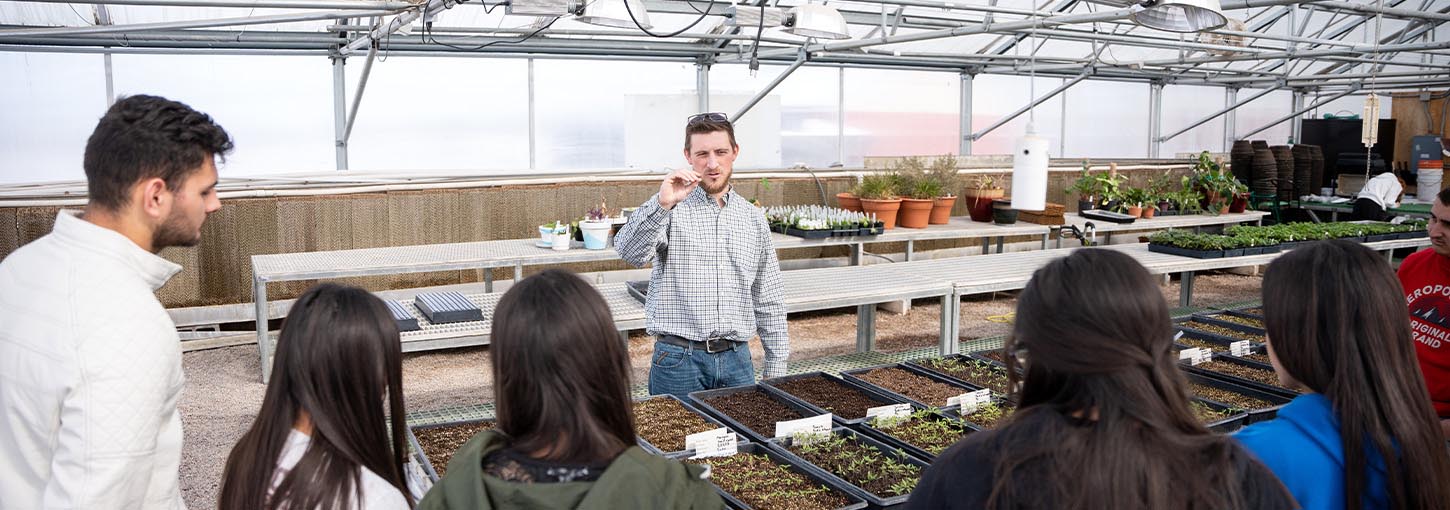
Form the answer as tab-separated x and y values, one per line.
849	199
1240	193
944	171
1003	213
880	198
919	194
1086	188
563	235
546	234
980	193
1133	200
1150	204
595	226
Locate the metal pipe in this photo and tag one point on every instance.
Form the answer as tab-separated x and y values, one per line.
361	5
339	109
769	87
173	25
1295	132
1060	88
841	116
533	126
966	114
397	23
362	85
1299	111
702	87
1230	96
1215	115
1387	11
1155	118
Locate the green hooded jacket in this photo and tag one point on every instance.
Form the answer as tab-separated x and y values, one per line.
635	480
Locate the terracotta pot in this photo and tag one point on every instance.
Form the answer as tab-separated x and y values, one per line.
1135	211
980	208
1240	203
1148	213
941	210
1223	210
848	201
885	210
914	213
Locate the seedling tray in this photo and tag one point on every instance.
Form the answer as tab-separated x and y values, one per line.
871	392
809	234
699	398
638	289
885	436
1240	312
850	375
1254	415
984	355
405	319
1209	318
1234	422
1185	252
955	413
854	502
447	307
919	367
1275	390
417	446
875	501
709	419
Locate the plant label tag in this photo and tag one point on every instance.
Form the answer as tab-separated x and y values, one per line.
971	400
1241	348
1178	335
888	411
1195	356
712	443
805	426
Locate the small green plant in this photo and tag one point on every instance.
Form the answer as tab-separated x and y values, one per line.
943	171
879	187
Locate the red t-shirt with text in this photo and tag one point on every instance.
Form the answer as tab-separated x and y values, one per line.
1425	276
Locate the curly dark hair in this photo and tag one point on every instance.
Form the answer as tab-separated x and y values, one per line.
143	137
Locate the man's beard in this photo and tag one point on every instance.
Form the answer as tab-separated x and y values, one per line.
174	232
724	184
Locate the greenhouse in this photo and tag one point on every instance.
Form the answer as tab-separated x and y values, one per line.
451	254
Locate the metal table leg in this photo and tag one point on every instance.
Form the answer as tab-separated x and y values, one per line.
264	347
866	327
910	248
950	323
999	243
1185	290
1044	241
856	251
986	245
488	279
518	272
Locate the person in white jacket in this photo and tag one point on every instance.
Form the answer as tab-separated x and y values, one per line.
90	363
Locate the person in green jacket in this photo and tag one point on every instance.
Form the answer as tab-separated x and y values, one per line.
565	435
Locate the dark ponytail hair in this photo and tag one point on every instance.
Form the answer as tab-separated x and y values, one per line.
1338	324
1105	420
560	371
340	360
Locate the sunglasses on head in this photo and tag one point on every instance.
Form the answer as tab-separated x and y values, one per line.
707	117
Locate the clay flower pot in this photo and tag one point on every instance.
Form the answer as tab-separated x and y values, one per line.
885	210
848	201
1135	211
915	213
941	210
979	202
1149	212
1239	204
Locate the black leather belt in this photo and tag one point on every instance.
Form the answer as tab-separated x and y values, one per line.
712	346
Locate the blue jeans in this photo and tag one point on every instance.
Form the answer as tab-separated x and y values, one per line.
680	370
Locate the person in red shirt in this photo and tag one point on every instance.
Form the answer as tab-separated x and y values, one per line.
1425	276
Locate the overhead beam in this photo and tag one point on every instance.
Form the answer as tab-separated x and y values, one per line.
1035	101
769	87
1300	111
177	25
1215	115
361	5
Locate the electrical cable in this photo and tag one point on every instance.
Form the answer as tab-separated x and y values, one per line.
530	35
755	48
672	34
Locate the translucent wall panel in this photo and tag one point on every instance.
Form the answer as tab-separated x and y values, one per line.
1183	105
50	104
449	114
804	106
1107	119
899	113
277	109
1269	108
1347	105
995	96
592	114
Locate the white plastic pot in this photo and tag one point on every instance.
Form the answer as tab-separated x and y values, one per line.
596	233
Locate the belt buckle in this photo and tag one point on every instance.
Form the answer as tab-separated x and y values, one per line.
712	340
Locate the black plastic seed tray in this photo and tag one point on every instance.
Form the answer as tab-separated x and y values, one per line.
955	413
1254	415
699	399
1234	422
1242	312
1276	390
850	375
638	289
854	502
885	436
1213	337
710	419
405	319
917	366
422	458
809	234
882	398
1212	318
875	501
447	307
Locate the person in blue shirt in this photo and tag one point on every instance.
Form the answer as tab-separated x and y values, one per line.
1335	318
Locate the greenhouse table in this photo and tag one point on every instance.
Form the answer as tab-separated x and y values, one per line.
1416	210
1194	221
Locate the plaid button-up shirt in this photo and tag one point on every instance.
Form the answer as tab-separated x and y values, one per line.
715	274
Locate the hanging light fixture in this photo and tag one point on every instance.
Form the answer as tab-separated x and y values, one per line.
1029	157
818	21
614	13
1181	15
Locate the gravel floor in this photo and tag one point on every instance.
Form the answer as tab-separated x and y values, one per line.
223	394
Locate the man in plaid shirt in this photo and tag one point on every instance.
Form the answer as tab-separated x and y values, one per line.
716	281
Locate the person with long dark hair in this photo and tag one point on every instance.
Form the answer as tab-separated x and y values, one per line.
1336	328
1104	418
565	432
330	434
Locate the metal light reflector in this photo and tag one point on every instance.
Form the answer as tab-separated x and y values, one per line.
747	16
541	7
612	13
1181	15
818	21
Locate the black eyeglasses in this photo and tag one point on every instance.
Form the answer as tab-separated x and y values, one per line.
707	117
